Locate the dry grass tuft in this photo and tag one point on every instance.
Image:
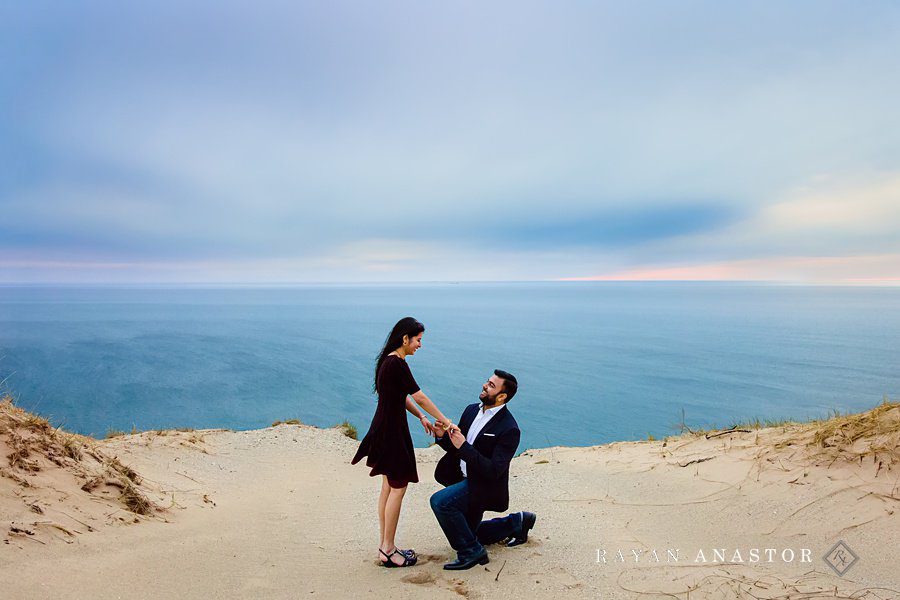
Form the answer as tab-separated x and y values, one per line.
873	434
854	437
196	438
124	470
134	500
34	445
92	484
348	429
18	479
72	447
37	423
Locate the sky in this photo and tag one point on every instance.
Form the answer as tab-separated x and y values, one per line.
290	142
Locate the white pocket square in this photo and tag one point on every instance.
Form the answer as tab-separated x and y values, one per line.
490	435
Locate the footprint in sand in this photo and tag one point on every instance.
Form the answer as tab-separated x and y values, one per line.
459	586
566	578
422	578
427	558
419	578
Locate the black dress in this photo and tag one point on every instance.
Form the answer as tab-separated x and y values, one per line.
388	443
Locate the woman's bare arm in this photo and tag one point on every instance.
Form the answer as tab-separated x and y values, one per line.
428	406
413	408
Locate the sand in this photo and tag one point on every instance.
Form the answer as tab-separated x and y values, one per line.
280	513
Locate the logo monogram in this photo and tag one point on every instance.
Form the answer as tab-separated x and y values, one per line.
840	558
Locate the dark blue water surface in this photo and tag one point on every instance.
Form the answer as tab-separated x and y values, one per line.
596	362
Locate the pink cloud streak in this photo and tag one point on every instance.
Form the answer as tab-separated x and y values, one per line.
876	269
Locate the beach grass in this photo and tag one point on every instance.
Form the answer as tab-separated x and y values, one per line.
72	447
874	434
755	423
348	429
35	446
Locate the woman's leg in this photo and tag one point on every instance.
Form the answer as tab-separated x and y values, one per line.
382	501
391	518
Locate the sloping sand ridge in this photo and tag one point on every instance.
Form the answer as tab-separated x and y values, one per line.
279	513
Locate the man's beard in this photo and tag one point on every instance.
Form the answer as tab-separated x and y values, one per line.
489	401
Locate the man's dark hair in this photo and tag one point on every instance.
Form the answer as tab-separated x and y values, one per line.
510	385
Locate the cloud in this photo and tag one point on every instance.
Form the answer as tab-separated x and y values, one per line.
880	269
573	140
827	215
613	228
823	230
868	206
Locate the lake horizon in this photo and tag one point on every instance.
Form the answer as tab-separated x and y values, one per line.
625	358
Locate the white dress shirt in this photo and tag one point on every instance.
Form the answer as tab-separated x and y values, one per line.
481	419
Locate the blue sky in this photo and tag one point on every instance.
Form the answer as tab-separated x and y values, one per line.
418	141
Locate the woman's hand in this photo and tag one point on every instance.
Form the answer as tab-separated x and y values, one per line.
429	428
444	423
452	427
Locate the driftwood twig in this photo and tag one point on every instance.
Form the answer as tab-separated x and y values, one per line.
497	578
726	432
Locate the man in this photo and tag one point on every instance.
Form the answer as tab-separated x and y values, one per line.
475	473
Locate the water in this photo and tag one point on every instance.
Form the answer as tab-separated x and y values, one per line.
596	362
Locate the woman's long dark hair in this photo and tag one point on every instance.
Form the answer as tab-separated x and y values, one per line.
405	326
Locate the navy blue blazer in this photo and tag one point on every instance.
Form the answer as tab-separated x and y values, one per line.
487	459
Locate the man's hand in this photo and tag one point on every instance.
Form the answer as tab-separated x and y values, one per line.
457	438
441	427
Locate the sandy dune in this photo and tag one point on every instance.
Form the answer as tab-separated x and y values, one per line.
279	513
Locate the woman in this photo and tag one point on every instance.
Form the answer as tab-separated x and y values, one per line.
388	444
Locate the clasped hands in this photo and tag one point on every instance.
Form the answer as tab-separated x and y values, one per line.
438	428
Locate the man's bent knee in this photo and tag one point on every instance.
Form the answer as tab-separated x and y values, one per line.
441	501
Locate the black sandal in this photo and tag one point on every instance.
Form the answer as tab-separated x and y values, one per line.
408	552
408	560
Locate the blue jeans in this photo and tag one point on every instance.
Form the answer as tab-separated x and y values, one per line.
464	529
